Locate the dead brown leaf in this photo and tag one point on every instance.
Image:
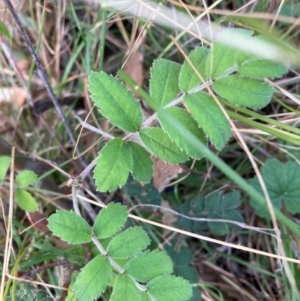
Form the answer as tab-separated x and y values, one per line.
15	96
134	68
164	172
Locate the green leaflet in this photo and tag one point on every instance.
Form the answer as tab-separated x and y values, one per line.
142	169
70	227
162	146
113	165
144	296
185	119
146	266
164	81
110	220
246	92
93	279
115	102
262	68
26	201
210	117
182	267
124	289
188	79
26	178
115	161
256	67
4	165
170	288
221	57
128	243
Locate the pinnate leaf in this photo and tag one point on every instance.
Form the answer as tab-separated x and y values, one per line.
70	227
124	289
219	206
214	206
93	279
170	288
110	220
26	178
4	165
113	165
210	117
188	78
158	142
128	243
146	266
246	92
26	201
115	102
142	169
164	81
282	181
183	118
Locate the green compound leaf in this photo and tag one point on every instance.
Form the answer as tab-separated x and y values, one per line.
164	81
219	206
146	266
246	92
158	142
282	181
142	169
146	194
170	288
26	201
185	119
110	220
210	117
113	165
262	68
214	206
4	165
221	57
188	78
128	243
93	279
26	178
115	102
70	227
124	289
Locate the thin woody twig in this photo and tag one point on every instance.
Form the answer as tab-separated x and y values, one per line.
94	129
42	74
